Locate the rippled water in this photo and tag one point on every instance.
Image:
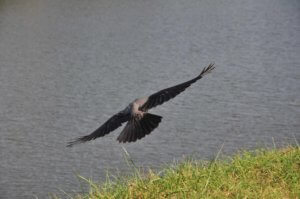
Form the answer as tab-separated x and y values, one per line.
66	66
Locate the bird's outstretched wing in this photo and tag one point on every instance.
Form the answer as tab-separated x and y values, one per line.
111	124
165	95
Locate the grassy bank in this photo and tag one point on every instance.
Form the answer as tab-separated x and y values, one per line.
257	174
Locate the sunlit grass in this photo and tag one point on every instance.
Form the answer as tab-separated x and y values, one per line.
272	173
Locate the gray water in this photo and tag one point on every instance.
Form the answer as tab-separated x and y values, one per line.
67	66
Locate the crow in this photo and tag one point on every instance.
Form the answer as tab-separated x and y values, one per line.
139	122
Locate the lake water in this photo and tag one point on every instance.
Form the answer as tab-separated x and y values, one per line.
66	66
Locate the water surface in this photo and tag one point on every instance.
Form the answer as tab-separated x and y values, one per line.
67	66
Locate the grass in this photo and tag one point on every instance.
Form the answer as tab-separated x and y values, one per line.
273	173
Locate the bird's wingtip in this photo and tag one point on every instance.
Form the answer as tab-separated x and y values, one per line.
71	143
207	69
76	141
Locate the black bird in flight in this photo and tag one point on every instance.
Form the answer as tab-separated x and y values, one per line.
139	122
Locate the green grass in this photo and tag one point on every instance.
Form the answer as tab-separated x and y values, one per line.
273	173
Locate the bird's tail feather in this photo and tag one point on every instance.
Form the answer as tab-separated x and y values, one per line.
138	128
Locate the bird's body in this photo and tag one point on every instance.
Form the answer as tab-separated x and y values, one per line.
139	122
137	104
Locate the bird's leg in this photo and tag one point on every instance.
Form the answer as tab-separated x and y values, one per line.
139	114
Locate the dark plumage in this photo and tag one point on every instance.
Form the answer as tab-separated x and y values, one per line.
139	122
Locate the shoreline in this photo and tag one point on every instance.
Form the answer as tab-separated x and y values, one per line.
262	173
